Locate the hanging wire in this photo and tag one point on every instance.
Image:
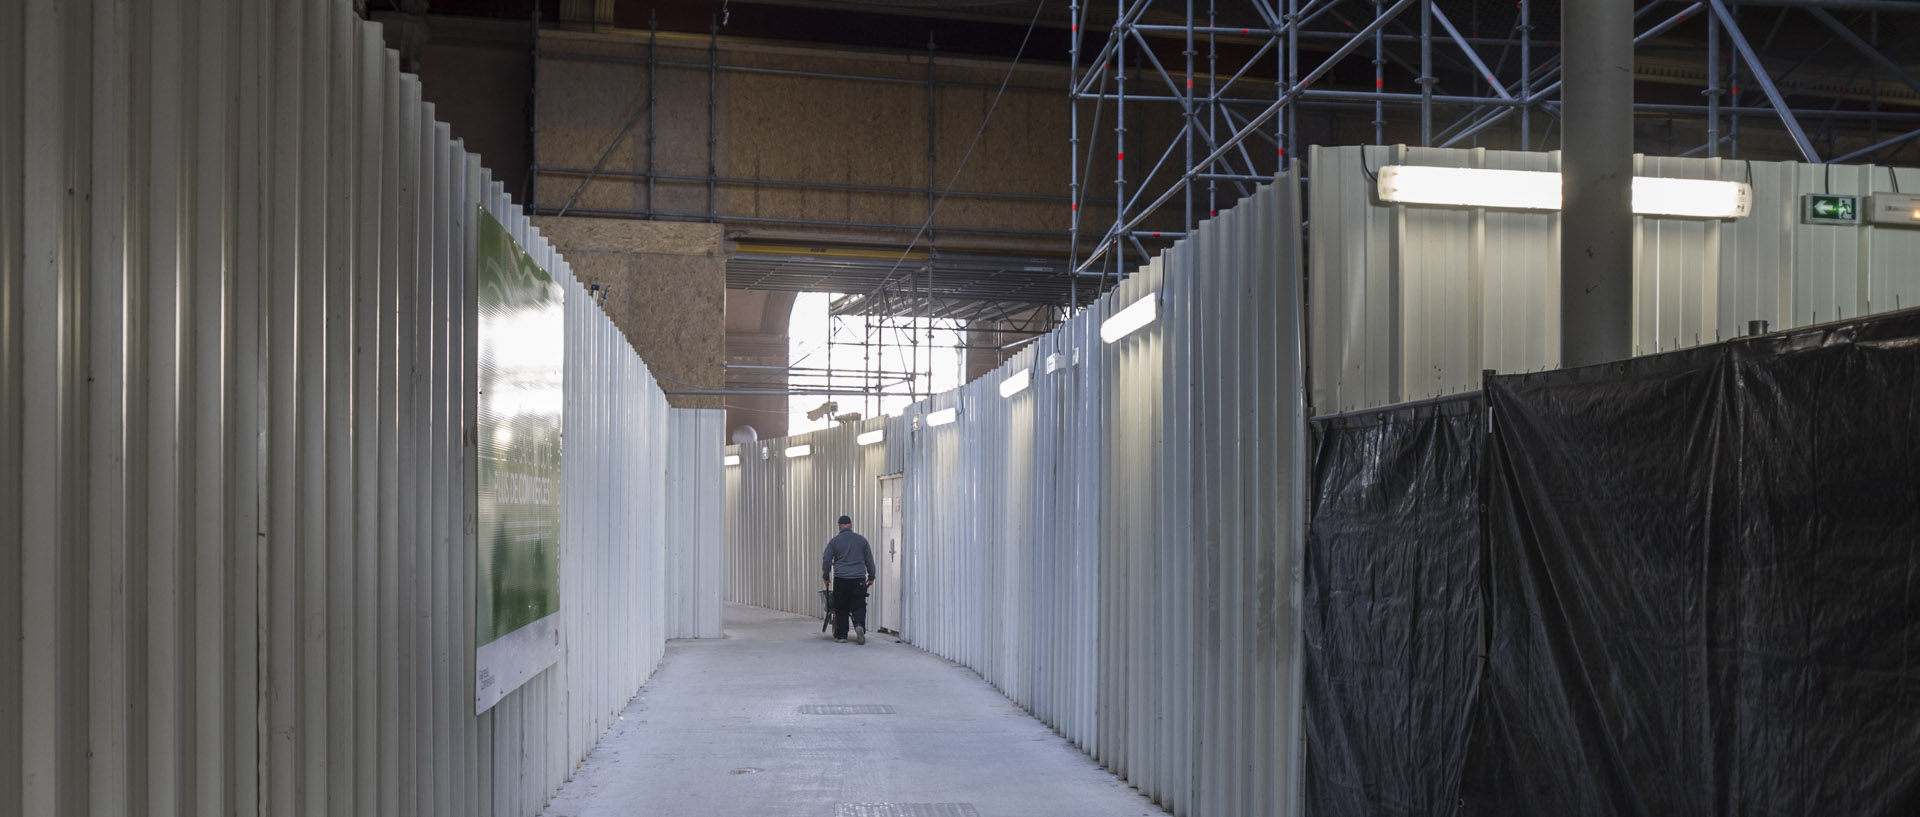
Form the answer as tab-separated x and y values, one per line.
942	198
933	210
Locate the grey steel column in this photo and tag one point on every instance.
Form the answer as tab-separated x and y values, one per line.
1596	171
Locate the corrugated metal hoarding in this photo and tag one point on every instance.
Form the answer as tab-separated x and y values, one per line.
781	510
237	513
696	547
1113	546
1410	302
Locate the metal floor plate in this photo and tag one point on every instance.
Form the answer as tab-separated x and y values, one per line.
847	709
907	810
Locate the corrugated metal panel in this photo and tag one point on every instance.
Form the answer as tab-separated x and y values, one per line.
1414	302
781	511
1405	300
1113	547
237	332
696	538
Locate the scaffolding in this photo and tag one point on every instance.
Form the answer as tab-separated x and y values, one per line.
1238	74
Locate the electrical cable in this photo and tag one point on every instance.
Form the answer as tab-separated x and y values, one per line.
951	181
942	198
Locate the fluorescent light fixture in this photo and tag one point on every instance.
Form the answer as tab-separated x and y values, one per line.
799	451
1055	361
943	417
1126	321
1540	190
1691	198
1470	187
877	435
1016	382
733	459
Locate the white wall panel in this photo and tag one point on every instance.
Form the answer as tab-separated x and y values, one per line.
780	511
1414	302
237	337
696	535
1113	548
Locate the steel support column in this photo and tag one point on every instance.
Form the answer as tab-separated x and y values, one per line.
1596	171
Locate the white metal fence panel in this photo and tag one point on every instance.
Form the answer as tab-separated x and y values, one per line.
1114	545
781	510
237	332
696	546
1414	302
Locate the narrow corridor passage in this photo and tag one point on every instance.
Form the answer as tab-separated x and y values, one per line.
725	728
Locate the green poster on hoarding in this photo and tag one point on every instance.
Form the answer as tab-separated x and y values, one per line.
521	335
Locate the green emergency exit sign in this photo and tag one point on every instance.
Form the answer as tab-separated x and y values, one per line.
1826	209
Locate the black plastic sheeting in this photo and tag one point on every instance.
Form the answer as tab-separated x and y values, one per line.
1702	587
1391	600
1695	579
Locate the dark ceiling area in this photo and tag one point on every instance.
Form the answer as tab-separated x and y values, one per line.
1810	58
1812	49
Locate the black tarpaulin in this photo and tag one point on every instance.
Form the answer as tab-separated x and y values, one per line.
1391	584
1701	583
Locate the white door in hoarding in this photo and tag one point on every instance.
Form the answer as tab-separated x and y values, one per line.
889	556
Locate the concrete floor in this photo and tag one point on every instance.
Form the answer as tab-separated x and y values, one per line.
719	731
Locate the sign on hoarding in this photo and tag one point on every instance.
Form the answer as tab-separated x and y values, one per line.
517	593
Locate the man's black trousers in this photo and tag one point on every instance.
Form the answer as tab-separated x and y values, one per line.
849	599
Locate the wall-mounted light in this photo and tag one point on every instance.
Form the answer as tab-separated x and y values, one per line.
1055	361
1127	321
799	451
1016	382
1893	210
942	417
1691	198
732	459
878	435
1470	187
766	451
1540	190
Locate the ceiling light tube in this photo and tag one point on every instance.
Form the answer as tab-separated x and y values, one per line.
1691	198
1016	382
799	451
1470	187
1127	321
877	435
943	417
1540	190
732	459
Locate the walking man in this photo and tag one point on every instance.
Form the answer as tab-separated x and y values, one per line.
846	568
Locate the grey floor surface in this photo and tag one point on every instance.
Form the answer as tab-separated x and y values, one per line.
719	731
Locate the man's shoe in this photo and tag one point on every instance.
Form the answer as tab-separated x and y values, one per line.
859	635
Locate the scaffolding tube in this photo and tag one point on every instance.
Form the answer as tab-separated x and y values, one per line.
1219	115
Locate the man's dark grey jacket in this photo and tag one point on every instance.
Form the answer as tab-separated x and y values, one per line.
848	556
